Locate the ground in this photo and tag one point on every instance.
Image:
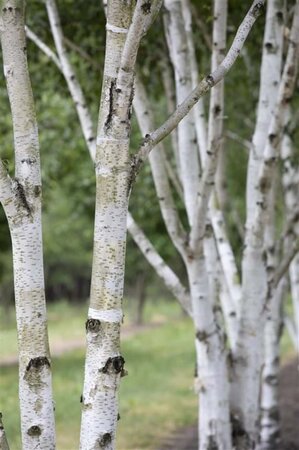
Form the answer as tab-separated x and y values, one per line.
186	439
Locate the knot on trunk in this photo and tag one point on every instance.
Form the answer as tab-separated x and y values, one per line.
115	365
93	325
34	431
37	363
105	440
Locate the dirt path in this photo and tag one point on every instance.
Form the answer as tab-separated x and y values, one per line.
186	439
58	348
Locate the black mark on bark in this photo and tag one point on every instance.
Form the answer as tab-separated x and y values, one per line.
20	193
212	444
258	9
34	431
146	7
37	363
111	109
105	440
93	325
115	365
210	80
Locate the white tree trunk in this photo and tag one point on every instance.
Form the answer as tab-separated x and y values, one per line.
249	353
188	154
269	424
21	200
114	173
212	382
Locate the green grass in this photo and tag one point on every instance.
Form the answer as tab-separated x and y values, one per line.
156	397
66	323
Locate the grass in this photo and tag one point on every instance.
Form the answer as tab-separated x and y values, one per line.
155	399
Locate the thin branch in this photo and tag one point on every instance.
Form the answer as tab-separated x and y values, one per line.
43	47
144	14
70	77
282	268
152	139
157	158
237	138
174	179
161	268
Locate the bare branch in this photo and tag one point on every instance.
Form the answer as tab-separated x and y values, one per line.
237	138
144	14
157	161
284	264
152	139
70	77
43	47
161	268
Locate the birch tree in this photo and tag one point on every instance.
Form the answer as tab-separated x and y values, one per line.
21	200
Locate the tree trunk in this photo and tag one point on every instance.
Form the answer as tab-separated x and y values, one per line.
21	199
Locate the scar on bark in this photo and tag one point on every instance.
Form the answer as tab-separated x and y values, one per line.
116	365
135	167
239	434
105	440
212	444
37	363
111	110
93	325
146	7
34	431
20	192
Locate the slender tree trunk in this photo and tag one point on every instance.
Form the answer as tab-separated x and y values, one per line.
104	364
249	355
21	200
212	382
114	174
269	425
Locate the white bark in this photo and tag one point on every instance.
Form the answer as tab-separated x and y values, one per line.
294	278
68	72
188	154
248	357
269	424
212	383
227	258
269	81
157	161
269	420
198	110
104	364
204	86
21	199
